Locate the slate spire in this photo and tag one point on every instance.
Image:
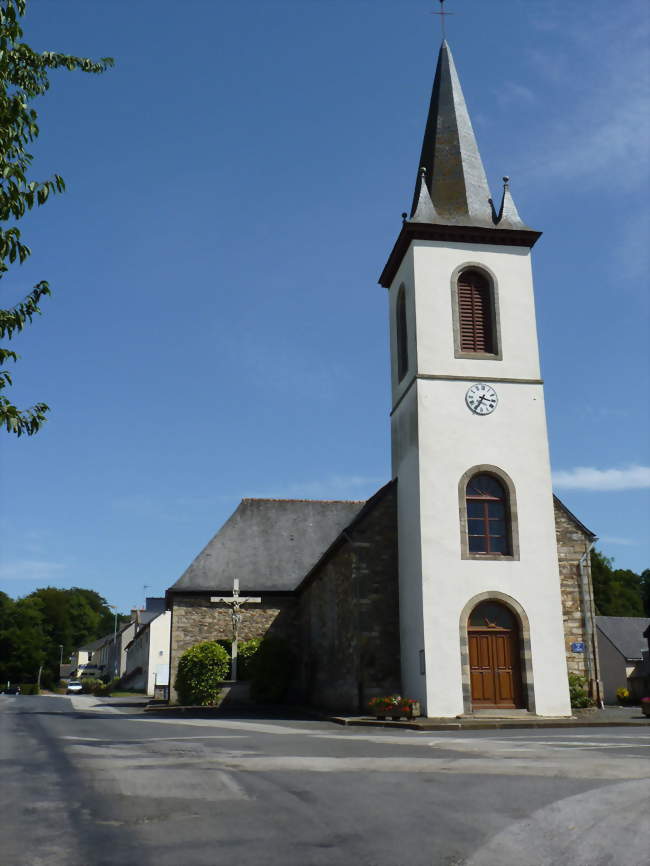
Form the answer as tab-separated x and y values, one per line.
454	173
508	216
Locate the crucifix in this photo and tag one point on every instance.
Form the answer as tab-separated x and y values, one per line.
443	15
234	602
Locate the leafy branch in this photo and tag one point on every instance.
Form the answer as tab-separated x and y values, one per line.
24	75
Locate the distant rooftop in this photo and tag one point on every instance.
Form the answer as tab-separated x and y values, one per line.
625	633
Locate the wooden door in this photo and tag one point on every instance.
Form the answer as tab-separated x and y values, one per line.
494	668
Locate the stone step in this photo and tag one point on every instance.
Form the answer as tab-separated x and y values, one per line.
499	714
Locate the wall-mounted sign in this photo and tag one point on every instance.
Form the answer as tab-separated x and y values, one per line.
577	647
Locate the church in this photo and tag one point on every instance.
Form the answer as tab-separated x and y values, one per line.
463	582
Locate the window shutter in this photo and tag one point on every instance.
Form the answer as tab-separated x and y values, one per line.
475	313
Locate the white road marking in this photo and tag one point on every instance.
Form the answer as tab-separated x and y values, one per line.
155	739
590	745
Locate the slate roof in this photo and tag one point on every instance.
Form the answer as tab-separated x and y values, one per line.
95	644
625	633
592	536
345	535
269	544
453	169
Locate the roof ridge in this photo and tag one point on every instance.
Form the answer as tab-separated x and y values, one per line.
279	499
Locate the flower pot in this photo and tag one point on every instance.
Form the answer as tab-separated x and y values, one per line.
397	713
645	708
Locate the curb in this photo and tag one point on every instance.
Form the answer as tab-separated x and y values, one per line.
479	725
424	725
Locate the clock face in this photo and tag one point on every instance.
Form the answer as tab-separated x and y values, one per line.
481	398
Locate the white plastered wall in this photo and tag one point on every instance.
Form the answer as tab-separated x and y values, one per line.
435	582
159	635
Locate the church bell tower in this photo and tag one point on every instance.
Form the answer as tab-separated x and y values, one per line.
480	606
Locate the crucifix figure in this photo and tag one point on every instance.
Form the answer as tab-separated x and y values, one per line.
235	602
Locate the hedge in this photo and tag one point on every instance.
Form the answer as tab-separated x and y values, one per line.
201	670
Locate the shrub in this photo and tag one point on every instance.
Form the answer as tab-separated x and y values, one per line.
578	692
623	696
103	689
28	689
201	669
90	685
271	670
246	654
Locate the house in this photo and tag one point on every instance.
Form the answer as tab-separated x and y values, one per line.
86	661
106	656
622	642
147	654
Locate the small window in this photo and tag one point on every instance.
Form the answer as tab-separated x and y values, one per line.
487	516
400	327
475	313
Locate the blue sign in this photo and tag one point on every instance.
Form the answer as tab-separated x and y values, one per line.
577	647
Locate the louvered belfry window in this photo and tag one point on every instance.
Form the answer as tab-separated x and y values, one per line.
475	313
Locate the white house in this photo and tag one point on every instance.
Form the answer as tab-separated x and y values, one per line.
147	654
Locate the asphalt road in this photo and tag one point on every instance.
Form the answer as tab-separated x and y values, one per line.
92	783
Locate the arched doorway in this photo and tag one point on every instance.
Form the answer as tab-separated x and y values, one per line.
493	636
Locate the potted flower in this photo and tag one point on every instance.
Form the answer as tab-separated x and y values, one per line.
394	707
623	697
645	706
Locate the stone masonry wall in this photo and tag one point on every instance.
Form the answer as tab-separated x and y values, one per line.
572	543
196	619
348	617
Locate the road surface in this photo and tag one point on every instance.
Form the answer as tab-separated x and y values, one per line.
96	782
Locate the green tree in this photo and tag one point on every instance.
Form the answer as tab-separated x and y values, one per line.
99	604
645	590
55	623
23	641
617	592
24	75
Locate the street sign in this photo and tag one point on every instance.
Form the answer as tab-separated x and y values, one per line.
577	647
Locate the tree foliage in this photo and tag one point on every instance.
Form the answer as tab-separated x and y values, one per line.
619	591
46	625
201	670
24	75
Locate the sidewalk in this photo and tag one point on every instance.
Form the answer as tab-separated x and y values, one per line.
609	716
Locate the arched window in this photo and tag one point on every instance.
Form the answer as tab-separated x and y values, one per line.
400	328
492	614
488	528
476	320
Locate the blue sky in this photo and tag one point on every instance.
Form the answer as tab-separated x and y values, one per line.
235	185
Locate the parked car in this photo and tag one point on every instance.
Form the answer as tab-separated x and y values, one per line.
11	690
74	688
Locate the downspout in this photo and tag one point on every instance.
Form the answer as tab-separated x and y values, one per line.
593	672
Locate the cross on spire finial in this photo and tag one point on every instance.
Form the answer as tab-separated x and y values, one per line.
442	15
